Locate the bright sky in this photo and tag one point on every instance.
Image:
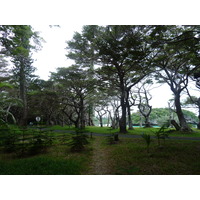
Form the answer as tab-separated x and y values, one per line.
53	52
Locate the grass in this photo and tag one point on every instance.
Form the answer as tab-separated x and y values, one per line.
135	131
55	159
140	131
176	157
129	156
42	165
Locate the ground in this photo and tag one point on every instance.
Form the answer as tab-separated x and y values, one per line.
100	163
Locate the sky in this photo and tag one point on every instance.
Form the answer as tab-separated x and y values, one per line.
52	54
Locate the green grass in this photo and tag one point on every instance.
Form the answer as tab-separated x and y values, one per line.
175	157
42	165
150	131
128	156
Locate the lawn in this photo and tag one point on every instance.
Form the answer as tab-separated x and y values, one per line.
128	156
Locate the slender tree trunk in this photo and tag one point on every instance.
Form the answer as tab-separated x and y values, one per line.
130	123
23	96
101	121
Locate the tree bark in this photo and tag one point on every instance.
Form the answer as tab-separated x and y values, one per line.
122	121
23	96
182	121
130	124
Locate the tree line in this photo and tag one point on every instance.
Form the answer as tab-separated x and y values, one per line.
115	66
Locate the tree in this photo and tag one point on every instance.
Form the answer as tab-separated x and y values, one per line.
175	64
75	89
123	54
17	43
160	116
193	101
144	97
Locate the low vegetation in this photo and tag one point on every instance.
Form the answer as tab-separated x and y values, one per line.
60	152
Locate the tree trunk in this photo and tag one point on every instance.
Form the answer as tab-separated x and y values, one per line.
198	125
23	97
122	121
182	121
130	124
82	115
101	121
90	114
147	123
177	127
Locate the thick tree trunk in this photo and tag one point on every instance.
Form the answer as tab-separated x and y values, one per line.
198	125
122	121
182	121
90	114
82	115
147	123
177	127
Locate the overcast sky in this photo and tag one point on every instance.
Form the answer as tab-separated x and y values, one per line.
53	52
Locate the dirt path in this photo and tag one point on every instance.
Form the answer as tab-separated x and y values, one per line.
100	164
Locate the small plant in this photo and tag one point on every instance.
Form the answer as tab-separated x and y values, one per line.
40	143
113	138
161	134
147	139
79	141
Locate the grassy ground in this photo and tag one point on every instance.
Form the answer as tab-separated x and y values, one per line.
56	159
176	157
102	156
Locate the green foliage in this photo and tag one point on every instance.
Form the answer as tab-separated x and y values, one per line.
161	115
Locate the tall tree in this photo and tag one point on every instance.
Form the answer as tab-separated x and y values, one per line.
81	50
175	62
123	53
76	89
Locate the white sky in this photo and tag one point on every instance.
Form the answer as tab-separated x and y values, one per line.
53	52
